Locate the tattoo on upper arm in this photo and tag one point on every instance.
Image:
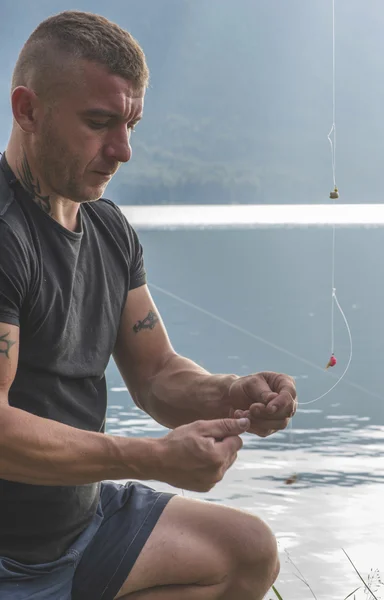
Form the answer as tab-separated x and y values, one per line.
6	345
28	182
149	322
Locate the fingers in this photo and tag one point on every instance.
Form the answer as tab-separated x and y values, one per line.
280	383
229	445
262	423
281	407
284	409
227	450
284	405
276	390
224	428
266	428
256	386
227	440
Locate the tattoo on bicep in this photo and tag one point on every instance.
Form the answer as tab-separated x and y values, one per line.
28	182
149	322
6	345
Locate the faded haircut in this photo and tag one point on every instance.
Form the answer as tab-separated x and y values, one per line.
49	56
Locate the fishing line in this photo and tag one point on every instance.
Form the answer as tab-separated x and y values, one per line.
334	195
254	336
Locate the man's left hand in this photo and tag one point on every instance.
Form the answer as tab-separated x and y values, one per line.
268	399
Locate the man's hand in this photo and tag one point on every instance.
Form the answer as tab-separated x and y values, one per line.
196	456
268	399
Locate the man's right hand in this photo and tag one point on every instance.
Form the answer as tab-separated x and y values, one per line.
196	456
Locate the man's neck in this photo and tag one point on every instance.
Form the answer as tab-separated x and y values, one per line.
31	184
62	210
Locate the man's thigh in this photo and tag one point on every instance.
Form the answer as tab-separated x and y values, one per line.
126	517
195	543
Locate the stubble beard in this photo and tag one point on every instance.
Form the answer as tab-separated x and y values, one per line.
60	169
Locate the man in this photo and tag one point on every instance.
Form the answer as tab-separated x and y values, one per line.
72	293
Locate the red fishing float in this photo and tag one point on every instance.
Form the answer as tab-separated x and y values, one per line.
333	195
332	361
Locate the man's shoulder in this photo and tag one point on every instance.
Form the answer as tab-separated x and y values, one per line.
106	206
6	195
9	221
113	220
111	212
14	228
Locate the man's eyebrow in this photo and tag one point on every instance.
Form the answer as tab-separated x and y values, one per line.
102	112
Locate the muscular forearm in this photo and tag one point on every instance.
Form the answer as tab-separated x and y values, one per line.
182	392
43	452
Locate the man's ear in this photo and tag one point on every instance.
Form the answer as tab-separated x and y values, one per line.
25	105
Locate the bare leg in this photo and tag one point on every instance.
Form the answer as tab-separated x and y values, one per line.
203	551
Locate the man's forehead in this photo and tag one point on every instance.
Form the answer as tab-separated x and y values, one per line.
102	89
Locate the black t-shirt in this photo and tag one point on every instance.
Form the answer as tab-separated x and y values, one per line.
66	291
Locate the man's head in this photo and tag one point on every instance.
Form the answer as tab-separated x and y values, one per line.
77	90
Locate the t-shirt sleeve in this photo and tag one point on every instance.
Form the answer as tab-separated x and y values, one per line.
134	249
14	276
138	275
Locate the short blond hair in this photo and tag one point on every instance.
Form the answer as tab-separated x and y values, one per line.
71	36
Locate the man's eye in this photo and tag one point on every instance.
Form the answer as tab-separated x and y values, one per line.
97	124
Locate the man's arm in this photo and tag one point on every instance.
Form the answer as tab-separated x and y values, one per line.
170	388
40	451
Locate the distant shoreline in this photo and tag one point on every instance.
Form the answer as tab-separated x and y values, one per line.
253	216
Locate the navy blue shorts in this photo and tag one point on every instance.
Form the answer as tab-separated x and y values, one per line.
100	560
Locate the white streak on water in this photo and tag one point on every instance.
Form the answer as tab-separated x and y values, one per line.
253	215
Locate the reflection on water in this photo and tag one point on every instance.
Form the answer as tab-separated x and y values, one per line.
336	502
336	445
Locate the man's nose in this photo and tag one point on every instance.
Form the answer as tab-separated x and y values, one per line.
119	147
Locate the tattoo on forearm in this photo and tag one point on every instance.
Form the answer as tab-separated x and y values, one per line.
28	182
5	345
149	322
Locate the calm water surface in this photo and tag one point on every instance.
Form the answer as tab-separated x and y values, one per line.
260	299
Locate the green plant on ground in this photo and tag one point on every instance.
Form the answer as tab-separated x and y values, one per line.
373	580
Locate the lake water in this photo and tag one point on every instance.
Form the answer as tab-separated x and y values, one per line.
244	300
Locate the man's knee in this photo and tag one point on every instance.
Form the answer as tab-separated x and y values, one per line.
251	554
256	550
259	541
